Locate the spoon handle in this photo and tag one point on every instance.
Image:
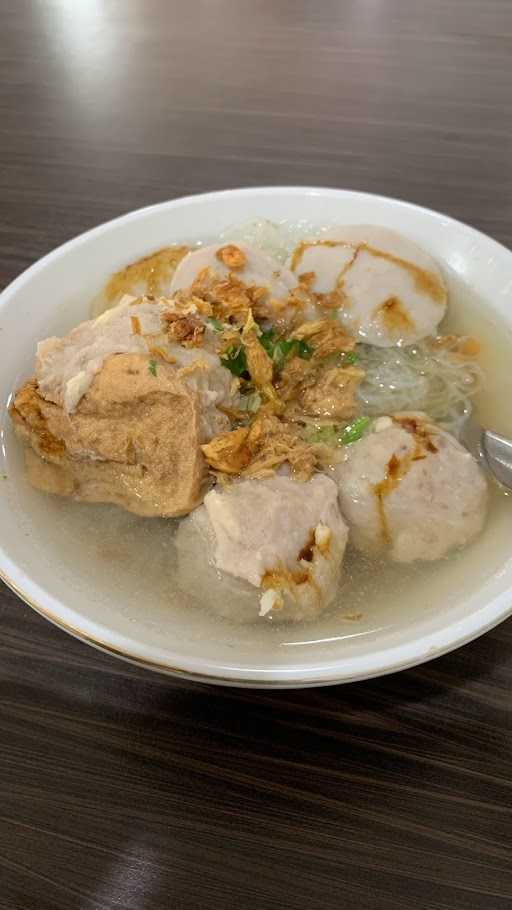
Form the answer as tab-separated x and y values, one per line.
497	452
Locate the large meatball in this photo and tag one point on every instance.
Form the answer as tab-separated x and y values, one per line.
283	538
392	292
410	490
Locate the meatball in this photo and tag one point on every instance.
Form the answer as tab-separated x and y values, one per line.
285	538
250	265
391	291
410	490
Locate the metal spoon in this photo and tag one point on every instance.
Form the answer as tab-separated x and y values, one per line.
494	452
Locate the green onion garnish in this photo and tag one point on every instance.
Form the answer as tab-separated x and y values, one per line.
333	435
353	431
267	341
235	360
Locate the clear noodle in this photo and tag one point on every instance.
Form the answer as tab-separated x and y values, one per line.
417	378
276	239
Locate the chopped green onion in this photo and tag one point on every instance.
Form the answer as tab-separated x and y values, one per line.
295	348
152	367
267	341
333	435
285	347
215	325
278	351
235	360
304	350
291	347
353	431
350	357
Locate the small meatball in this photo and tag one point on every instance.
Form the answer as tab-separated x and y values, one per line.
409	490
392	292
248	264
286	539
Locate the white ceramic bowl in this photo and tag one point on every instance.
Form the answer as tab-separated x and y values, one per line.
70	575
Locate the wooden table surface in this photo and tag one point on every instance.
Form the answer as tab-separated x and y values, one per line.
123	789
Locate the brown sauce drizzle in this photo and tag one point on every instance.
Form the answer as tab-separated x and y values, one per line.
152	271
393	315
397	468
341	275
279	578
304	245
426	282
419	430
282	578
307	550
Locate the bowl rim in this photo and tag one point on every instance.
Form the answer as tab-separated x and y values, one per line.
380	662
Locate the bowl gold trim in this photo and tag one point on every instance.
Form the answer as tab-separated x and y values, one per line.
154	666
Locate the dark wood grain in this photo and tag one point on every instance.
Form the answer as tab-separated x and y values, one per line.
123	789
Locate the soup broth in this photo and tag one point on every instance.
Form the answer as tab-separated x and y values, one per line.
135	560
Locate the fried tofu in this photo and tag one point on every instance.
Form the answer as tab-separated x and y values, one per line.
134	440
